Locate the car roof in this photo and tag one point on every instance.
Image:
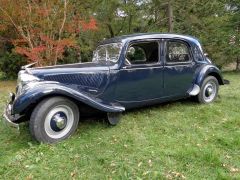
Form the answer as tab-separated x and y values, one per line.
149	36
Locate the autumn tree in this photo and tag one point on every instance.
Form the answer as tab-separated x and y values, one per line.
44	28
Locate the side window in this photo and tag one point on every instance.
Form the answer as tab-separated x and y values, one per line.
177	51
197	54
143	53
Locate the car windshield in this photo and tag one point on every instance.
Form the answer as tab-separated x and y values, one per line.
107	52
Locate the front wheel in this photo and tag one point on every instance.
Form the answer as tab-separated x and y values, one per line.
209	90
54	119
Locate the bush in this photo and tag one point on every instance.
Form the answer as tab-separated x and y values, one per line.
69	56
10	64
2	76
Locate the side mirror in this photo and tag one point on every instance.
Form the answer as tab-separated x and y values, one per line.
205	54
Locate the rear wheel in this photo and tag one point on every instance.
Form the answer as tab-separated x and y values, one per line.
209	90
54	119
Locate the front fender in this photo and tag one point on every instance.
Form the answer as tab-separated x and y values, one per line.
41	90
207	70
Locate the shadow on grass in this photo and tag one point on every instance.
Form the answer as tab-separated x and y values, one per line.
23	137
186	102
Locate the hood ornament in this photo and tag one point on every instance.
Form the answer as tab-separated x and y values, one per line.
28	65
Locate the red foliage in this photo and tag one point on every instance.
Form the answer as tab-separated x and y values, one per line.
38	53
91	25
44	12
46	39
2	27
45	29
77	25
17	42
31	54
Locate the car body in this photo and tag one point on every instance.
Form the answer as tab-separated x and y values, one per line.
126	72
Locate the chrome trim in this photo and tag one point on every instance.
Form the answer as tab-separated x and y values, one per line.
59	65
8	121
134	68
68	123
28	65
195	90
209	91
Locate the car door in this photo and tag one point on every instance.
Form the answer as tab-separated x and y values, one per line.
178	68
141	78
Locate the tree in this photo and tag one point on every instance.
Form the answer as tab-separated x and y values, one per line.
44	28
234	24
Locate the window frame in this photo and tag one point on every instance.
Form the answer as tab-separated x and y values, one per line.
166	52
200	52
159	62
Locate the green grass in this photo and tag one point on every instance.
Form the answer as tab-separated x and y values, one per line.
175	140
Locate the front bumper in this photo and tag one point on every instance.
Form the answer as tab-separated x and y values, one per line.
8	117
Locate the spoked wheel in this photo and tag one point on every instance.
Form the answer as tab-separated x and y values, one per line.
209	90
54	119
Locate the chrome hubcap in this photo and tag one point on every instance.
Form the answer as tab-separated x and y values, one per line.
59	121
210	91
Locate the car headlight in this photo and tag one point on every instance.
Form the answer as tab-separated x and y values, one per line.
25	81
24	78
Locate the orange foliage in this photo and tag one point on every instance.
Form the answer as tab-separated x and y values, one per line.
33	54
91	25
45	28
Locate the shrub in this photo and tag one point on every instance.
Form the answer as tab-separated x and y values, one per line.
10	64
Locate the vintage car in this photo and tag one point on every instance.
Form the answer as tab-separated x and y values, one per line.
126	72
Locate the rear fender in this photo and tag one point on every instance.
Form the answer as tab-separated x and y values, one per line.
202	73
42	90
208	70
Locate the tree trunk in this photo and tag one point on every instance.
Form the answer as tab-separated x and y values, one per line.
110	29
238	64
170	17
130	23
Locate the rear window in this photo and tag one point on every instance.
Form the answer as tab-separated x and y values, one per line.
198	56
177	52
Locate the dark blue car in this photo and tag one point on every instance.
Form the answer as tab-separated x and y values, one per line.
126	72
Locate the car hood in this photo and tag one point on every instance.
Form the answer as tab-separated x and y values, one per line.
88	77
42	72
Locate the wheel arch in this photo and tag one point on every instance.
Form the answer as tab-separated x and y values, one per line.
208	70
25	103
28	111
217	76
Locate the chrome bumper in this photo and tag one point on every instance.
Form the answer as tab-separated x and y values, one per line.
8	118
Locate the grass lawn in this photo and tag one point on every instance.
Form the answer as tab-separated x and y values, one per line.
175	140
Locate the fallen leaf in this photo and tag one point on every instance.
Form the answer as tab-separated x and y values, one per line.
29	177
234	170
73	174
150	162
139	164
